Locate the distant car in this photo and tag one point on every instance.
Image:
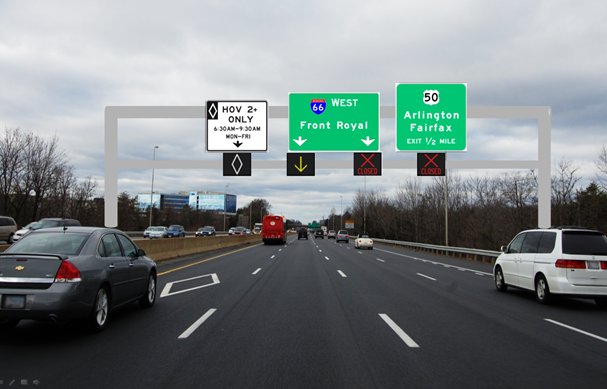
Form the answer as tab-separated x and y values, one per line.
331	234
59	274
248	232
206	231
231	231
566	261
239	231
8	227
319	234
175	231
302	233
158	233
342	235
23	231
146	233
363	240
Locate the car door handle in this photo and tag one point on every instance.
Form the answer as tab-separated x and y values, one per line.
112	266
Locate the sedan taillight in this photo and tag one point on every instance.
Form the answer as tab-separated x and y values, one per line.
603	265
571	264
68	272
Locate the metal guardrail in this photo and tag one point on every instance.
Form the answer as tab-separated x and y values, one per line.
457	252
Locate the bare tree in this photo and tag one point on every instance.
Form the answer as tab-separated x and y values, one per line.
564	181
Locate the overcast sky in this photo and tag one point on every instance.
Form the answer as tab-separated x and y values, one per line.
63	62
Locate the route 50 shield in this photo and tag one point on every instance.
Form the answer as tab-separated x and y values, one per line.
318	106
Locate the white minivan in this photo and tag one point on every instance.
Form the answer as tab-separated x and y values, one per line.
568	261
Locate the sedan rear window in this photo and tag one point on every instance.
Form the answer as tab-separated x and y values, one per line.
584	243
50	243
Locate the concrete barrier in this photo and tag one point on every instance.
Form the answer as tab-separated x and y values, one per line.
161	249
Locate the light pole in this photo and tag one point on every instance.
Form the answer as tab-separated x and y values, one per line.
152	190
225	193
341	212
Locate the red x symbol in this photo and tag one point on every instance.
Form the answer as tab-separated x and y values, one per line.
367	160
431	160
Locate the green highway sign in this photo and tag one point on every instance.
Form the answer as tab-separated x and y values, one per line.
431	117
334	122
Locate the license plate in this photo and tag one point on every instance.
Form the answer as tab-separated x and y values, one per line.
13	301
593	265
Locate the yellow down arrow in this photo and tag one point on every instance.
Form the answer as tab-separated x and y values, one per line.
301	169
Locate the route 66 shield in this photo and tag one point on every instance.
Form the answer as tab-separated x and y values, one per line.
318	106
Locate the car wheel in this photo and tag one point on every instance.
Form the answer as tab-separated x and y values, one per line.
101	310
542	291
148	300
499	280
8	324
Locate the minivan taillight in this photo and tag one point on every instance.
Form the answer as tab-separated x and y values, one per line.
571	264
68	272
603	265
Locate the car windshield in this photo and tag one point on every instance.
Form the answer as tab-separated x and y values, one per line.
158	229
50	243
208	229
584	243
173	228
364	236
342	232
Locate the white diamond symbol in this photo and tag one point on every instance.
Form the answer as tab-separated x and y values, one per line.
240	164
213	111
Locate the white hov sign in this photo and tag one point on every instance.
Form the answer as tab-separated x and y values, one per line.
237	126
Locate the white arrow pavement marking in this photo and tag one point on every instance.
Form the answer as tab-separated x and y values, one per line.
406	338
197	324
167	288
365	141
300	141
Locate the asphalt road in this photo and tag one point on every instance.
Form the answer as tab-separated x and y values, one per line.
313	313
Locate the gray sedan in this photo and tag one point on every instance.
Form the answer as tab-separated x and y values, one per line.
58	274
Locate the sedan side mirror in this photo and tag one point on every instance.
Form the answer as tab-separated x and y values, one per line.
504	249
141	253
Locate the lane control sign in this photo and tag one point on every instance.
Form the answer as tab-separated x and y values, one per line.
237	126
334	122
431	117
236	164
430	164
367	164
301	164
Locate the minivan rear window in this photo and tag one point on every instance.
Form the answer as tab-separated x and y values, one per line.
584	243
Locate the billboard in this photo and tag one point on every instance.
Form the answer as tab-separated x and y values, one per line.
143	201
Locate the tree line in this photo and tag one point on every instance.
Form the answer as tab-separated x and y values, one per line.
484	211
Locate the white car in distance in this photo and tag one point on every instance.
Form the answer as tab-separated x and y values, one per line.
363	240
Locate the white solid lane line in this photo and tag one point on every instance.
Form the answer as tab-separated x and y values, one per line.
426	260
406	338
256	271
342	273
430	278
577	330
197	324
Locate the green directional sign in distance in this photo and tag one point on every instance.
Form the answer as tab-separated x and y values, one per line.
333	122
431	117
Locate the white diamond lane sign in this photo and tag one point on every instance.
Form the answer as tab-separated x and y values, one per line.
237	126
237	164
